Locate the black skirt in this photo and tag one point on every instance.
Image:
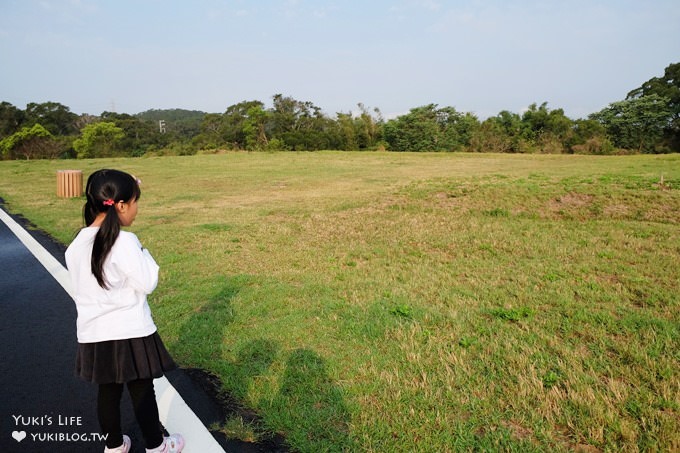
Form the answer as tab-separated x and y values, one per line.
123	361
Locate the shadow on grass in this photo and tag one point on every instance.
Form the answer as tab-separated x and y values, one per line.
311	406
201	335
308	411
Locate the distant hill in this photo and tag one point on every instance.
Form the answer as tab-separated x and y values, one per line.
178	115
185	123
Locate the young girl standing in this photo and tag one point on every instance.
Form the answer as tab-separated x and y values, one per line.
117	339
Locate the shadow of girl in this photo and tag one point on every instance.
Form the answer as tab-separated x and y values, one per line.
202	341
308	408
201	336
311	406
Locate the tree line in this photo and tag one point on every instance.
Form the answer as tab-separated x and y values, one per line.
646	121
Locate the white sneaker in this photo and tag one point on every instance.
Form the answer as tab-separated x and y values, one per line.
125	448
172	444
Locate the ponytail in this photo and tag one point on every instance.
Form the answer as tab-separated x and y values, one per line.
104	189
103	243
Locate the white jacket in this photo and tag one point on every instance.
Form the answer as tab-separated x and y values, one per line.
121	311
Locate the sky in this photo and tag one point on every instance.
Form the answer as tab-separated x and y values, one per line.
482	57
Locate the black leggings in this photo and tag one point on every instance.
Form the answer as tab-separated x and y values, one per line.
145	407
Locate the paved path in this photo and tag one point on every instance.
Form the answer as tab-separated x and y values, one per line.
43	406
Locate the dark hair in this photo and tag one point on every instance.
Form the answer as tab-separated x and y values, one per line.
104	189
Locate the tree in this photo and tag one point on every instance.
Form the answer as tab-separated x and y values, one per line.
544	129
350	132
667	87
99	140
254	128
418	130
11	119
368	129
491	136
139	134
456	128
589	137
300	126
429	128
29	142
55	117
231	129
346	131
209	137
636	123
289	114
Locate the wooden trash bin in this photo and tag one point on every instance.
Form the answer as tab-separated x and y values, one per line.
69	183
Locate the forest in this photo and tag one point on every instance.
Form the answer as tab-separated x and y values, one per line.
646	121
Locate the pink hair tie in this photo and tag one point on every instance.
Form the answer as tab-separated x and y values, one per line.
109	202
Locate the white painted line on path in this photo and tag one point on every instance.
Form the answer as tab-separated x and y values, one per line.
50	263
174	412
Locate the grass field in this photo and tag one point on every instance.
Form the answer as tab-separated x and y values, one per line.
414	302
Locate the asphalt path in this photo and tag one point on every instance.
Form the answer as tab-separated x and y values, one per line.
43	406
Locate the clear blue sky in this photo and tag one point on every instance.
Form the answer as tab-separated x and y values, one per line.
477	56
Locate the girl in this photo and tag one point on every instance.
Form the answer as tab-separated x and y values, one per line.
117	339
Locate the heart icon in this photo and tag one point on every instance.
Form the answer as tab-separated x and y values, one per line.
19	435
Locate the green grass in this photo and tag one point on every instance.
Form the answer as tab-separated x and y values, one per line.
414	302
